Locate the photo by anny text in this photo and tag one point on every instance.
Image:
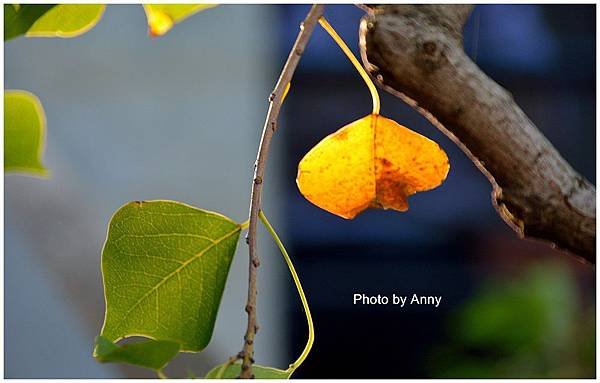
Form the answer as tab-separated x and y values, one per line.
397	300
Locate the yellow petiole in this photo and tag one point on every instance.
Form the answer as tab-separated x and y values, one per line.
311	328
354	61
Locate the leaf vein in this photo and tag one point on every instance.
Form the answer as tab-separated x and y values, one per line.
175	272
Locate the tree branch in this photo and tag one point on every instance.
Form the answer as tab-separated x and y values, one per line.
415	52
276	99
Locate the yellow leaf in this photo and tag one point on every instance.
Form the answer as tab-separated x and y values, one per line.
372	162
162	17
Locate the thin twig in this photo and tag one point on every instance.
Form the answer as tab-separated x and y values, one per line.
275	101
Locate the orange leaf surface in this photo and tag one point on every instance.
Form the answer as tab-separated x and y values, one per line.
371	162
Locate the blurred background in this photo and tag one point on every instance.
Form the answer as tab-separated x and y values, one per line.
179	117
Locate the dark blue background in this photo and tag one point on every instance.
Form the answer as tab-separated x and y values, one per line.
451	240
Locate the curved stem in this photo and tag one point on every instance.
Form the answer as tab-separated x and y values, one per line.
354	61
269	128
309	321
244	225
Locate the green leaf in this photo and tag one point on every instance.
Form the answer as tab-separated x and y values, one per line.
19	18
24	133
260	372
67	20
162	17
154	354
164	266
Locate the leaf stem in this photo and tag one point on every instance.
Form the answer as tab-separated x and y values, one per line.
354	61
244	225
309	321
161	374
230	361
269	128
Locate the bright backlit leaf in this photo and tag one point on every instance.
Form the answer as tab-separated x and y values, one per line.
66	20
162	17
50	20
372	162
164	266
154	354
24	133
260	372
18	18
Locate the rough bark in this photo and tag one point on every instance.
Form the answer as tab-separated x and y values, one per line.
416	53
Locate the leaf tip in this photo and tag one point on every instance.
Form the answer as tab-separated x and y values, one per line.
159	23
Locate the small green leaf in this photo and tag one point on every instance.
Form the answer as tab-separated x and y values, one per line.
154	354
260	372
24	133
67	20
19	18
162	17
164	266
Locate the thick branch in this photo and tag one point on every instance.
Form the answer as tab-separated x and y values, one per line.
276	100
416	53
